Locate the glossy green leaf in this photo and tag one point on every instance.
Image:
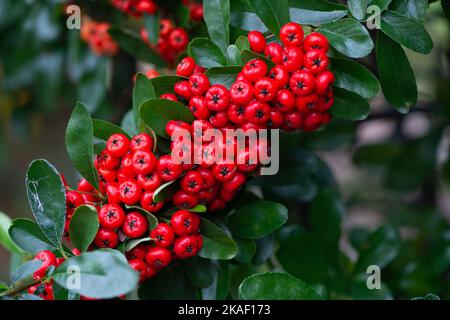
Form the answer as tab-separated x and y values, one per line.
200	208
265	248
219	287
234	55
128	124
396	75
79	143
103	274
83	227
163	84
407	32
151	23
242	43
25	270
132	243
103	129
27	235
257	219
47	198
349	37
225	76
349	106
315	12
274	14
5	238
247	249
413	9
133	45
216	14
354	77
165	191
276	286
358	8
200	271
216	242
142	91
152	220
247	55
429	296
206	53
157	112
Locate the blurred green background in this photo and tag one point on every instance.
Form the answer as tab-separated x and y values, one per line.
391	168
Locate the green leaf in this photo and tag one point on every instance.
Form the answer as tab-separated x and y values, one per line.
413	9
25	270
276	286
3	287
92	87
79	143
360	291
128	124
247	249
206	53
257	219
165	191
83	227
446	8
157	112
152	220
377	154
315	12
103	274
151	23
382	4
200	271
243	17
200	208
358	8
5	238
216	243
223	75
349	106
161	85
103	129
396	75
234	55
247	55
142	91
242	43
47	198
133	45
274	14
381	248
354	77
349	37
218	289
265	248
407	32
132	243
27	235
216	14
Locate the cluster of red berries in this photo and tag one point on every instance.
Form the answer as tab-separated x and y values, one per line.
295	94
171	42
96	35
129	173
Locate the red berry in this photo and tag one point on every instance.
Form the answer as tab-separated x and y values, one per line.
43	290
185	222
184	200
167	169
137	252
312	121
280	75
217	98
192	182
306	104
48	259
135	225
317	41
149	182
325	102
247	160
142	141
216	204
316	61
274	52
169	96
188	246
144	162
183	89
107	161
208	178
235	183
196	11
286	101
235	114
111	216
257	112
151	74
254	70
257	41
219	120
174	125
165	27
265	89
85	186
178	39
324	81
199	83
73	201
117	145
292	58
126	166
163	235
293	121
276	119
108	175
130	192
186	67
140	266
302	82
241	92
291	34
106	238
224	171
198	107
149	204
158	257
